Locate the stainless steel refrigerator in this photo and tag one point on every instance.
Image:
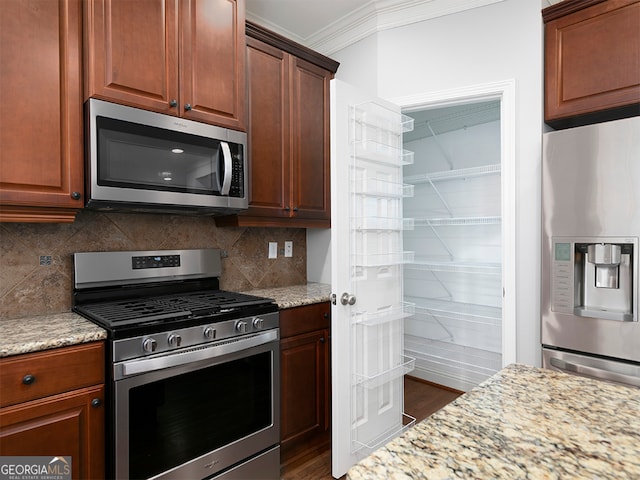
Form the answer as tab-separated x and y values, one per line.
590	233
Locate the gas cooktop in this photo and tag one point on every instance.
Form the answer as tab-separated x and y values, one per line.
143	292
168	308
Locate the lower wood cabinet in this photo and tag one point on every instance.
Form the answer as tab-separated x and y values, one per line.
53	405
305	419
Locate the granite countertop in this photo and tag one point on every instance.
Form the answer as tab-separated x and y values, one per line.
522	423
296	295
33	334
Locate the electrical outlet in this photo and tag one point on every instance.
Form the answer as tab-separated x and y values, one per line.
273	249
288	248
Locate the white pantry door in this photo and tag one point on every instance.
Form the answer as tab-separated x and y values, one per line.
368	361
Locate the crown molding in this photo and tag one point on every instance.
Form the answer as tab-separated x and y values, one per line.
379	15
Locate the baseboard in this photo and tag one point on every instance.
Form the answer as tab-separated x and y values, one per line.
454	383
436	385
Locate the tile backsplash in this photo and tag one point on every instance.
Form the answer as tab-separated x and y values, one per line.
36	264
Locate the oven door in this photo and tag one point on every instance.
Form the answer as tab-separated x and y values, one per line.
198	411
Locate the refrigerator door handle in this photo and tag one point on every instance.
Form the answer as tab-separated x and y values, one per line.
595	372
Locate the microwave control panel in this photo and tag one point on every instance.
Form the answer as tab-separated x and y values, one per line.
237	171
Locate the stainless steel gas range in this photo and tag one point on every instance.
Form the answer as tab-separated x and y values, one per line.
193	370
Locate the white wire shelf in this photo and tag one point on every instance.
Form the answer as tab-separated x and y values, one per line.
472	268
364	448
386	315
458	311
382	259
377	187
374	115
457	221
374	381
382	223
381	153
453	174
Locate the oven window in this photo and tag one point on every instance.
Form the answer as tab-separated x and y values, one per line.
177	419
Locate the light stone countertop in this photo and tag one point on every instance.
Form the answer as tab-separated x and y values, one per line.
33	334
43	332
522	423
296	295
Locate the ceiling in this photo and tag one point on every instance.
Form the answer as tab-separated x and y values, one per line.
329	25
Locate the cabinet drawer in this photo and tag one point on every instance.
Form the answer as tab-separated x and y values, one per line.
37	375
307	318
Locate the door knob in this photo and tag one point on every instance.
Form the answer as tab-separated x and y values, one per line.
347	299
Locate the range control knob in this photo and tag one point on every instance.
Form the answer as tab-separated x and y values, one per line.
209	333
258	323
241	327
149	345
174	340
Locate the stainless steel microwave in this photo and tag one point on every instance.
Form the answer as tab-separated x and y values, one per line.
148	162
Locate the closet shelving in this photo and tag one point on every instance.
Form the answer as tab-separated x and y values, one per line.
388	314
427	264
454	280
362	447
379	361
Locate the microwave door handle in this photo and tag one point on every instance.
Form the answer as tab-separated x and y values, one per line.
226	179
595	372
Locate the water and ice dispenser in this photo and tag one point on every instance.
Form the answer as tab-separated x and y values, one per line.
595	277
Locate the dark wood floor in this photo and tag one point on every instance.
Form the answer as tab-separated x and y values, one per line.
421	399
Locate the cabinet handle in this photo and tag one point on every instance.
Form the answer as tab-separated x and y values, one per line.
173	103
187	107
295	209
96	402
287	209
322	340
325	315
75	195
28	379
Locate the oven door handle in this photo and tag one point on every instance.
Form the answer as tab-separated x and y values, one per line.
195	354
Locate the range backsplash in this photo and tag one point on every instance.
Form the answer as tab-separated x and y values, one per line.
36	265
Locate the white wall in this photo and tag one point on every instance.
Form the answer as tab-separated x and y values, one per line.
494	43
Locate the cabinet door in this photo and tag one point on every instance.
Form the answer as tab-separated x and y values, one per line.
310	194
268	97
61	425
592	63
304	376
132	52
41	160
212	62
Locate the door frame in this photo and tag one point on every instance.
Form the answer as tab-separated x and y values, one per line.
505	92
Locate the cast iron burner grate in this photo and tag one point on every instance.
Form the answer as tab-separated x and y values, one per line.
141	310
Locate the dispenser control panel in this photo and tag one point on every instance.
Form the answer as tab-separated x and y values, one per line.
562	298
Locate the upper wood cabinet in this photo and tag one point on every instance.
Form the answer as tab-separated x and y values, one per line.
178	57
41	160
592	61
288	109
